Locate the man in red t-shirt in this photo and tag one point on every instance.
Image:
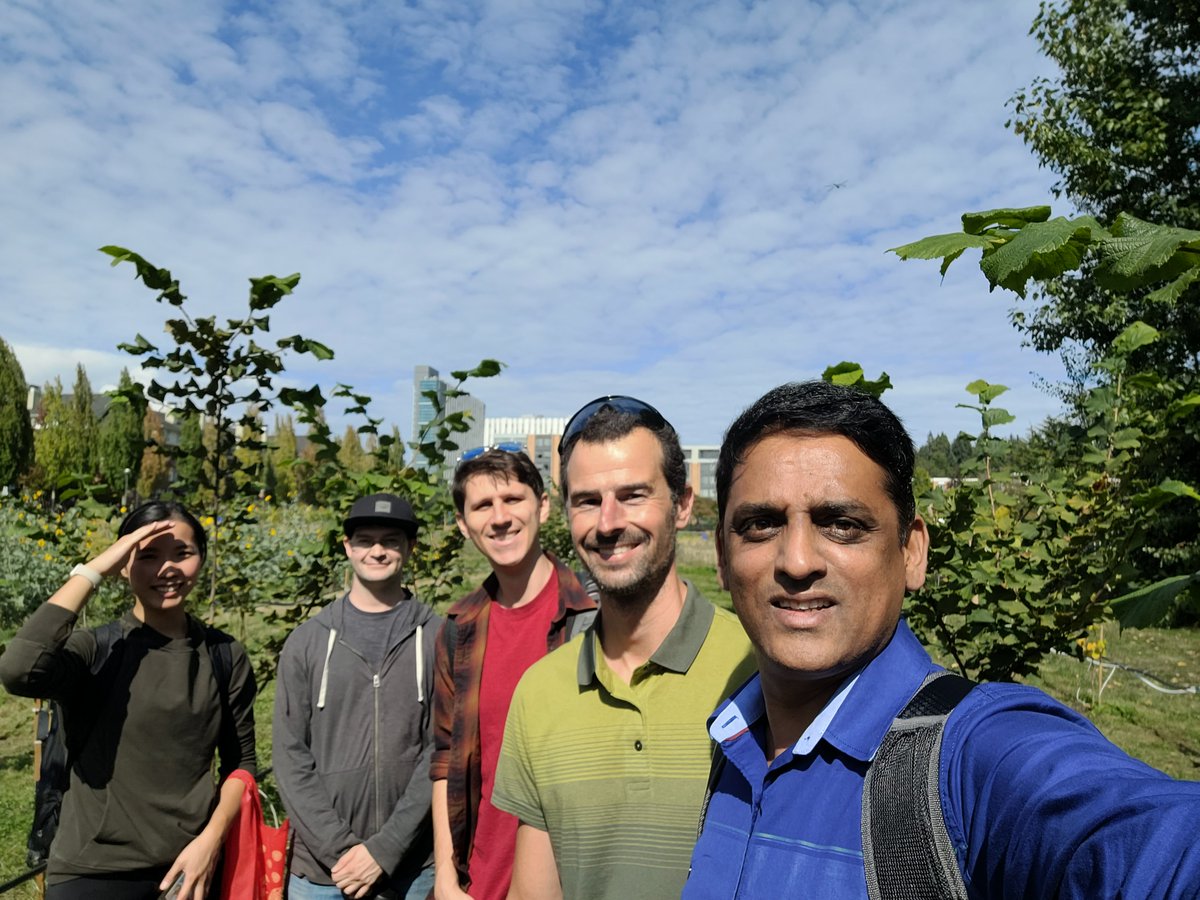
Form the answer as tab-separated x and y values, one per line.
530	604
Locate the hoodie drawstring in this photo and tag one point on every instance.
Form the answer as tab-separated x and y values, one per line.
420	665
325	668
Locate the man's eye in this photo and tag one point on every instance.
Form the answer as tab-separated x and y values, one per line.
845	528
756	528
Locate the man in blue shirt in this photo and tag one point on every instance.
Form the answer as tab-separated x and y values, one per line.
818	541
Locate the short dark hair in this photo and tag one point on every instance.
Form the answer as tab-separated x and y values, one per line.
162	511
610	424
815	408
508	465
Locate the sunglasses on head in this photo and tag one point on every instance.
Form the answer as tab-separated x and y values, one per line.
647	415
505	446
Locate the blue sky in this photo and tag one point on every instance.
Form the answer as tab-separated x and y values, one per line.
685	201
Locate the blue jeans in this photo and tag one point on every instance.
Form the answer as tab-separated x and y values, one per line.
301	889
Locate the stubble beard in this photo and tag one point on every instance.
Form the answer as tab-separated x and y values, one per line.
644	587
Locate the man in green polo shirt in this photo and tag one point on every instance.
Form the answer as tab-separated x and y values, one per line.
605	753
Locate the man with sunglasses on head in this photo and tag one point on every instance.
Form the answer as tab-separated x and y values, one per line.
529	605
605	753
353	730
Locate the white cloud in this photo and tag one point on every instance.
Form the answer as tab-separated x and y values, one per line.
689	202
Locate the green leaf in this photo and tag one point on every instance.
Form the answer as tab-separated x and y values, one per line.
850	374
1170	293
942	246
985	391
305	345
265	292
843	373
140	345
1013	217
1164	492
1038	251
1141	253
994	417
1149	605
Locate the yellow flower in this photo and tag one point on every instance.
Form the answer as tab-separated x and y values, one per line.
122	509
272	532
248	544
47	557
41	542
250	508
58	532
267	499
291	553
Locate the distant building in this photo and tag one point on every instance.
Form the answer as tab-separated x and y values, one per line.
539	436
429	395
701	462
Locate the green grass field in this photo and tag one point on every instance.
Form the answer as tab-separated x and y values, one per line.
1163	729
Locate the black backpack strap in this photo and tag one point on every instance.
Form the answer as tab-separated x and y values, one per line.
907	852
220	653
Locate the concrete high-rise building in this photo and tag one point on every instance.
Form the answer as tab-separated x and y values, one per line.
473	437
426	387
425	380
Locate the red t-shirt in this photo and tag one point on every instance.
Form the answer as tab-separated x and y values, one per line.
516	639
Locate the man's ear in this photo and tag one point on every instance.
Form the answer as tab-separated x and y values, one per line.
720	536
346	545
916	554
683	507
462	525
544	508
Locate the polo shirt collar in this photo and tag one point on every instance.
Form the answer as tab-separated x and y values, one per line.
860	712
679	648
883	687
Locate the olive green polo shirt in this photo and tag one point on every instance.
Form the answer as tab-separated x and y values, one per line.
615	772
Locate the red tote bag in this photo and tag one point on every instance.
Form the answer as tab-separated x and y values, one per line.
255	852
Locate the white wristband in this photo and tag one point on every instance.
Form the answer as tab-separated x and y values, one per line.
89	573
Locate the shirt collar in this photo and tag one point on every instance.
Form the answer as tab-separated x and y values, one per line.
879	691
679	648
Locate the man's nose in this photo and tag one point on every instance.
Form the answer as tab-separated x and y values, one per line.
800	558
612	515
501	515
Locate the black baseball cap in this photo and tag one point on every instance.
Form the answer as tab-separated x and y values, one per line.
382	509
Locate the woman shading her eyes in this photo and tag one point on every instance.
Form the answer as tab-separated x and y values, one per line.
145	709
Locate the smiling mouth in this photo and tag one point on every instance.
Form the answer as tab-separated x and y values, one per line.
613	551
802	605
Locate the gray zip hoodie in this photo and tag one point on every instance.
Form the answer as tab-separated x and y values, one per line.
352	745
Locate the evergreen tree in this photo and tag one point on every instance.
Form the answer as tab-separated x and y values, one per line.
84	427
120	442
53	442
16	431
283	457
351	453
154	470
189	465
395	451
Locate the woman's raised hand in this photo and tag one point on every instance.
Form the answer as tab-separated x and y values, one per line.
112	560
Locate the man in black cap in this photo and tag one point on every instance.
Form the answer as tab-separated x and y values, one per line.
353	732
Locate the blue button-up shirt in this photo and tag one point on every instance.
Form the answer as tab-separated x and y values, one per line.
1037	802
